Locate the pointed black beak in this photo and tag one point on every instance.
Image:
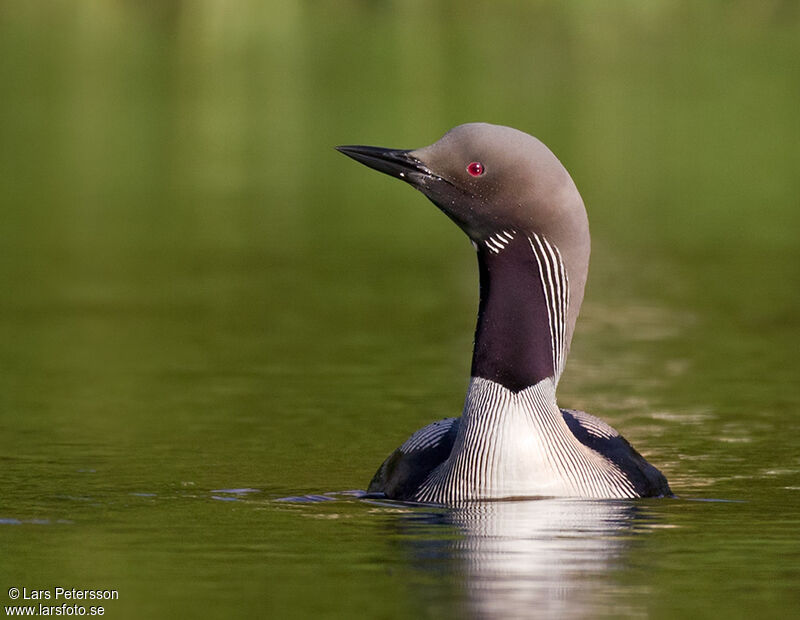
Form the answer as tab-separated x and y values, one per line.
394	162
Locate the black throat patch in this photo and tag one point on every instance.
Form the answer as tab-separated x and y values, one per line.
514	338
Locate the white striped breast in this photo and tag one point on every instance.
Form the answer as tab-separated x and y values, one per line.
517	444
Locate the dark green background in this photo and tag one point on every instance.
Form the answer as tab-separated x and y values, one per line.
198	293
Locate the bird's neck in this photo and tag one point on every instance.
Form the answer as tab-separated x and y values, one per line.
522	332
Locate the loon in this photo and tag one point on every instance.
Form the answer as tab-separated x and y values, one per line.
522	211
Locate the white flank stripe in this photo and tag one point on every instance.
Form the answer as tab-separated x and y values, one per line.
594	426
428	436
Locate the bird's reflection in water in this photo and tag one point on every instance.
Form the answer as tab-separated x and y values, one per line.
530	558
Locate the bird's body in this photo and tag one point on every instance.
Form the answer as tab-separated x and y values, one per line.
526	219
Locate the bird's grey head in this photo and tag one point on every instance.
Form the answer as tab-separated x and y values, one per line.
489	179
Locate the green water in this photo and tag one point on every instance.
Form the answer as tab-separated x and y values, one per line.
204	308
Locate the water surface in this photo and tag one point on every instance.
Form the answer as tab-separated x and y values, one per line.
205	308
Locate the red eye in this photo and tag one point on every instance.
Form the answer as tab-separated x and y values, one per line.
475	168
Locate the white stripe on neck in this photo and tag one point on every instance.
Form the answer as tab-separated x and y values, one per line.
556	292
